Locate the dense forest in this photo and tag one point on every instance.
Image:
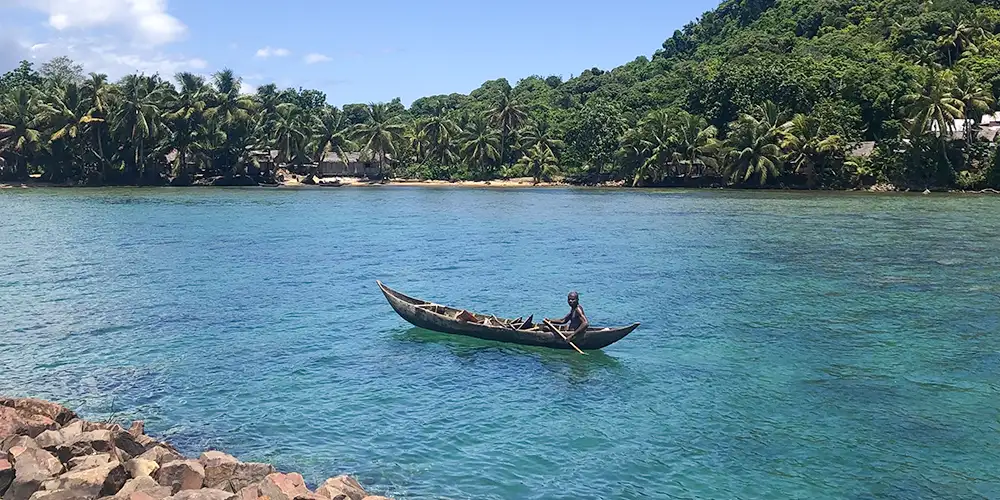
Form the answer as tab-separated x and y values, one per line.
756	93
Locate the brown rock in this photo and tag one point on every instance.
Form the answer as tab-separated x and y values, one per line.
30	406
204	494
249	493
85	443
6	475
49	440
138	428
59	495
142	495
225	472
342	488
310	496
138	467
127	443
91	483
279	486
12	441
145	485
89	461
376	498
161	455
13	422
32	467
71	430
181	475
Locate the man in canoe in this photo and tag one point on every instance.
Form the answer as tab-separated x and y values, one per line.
576	319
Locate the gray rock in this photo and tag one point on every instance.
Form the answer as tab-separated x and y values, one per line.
32	467
181	475
85	443
138	428
89	461
279	486
204	494
91	483
143	484
127	443
138	467
342	488
50	440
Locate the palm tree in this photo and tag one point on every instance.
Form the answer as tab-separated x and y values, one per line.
188	120
19	129
96	93
958	36
657	140
755	151
933	104
807	146
481	145
66	115
540	162
330	133
138	117
380	132
695	140
509	115
290	133
438	131
540	132
975	100
229	105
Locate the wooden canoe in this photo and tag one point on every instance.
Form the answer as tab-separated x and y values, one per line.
443	319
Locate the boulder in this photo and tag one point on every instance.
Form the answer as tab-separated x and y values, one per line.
225	472
376	498
161	455
89	461
310	496
6	475
181	475
85	443
59	495
204	494
127	443
142	495
342	488
12	441
138	428
145	485
30	406
32	467
91	483
249	493
50	439
279	486
14	422
138	467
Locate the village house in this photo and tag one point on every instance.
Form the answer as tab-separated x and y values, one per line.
358	165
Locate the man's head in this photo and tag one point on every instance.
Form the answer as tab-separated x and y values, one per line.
573	299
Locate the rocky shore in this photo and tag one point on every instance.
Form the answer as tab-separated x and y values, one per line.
48	453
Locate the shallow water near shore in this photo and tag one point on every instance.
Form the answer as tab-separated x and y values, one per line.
793	345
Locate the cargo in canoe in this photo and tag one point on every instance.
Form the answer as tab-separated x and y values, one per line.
446	319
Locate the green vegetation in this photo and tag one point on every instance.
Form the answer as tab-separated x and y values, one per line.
755	93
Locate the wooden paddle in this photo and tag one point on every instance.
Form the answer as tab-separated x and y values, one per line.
553	327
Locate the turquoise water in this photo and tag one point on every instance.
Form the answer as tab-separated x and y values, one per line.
793	345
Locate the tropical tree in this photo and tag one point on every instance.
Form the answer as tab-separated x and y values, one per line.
959	35
975	100
509	115
481	145
808	147
933	105
380	132
657	140
138	119
65	114
540	132
19	129
290	133
695	141
438	132
187	121
330	132
96	94
228	105
540	162
755	151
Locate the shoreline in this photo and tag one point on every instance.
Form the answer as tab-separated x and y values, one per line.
295	182
48	453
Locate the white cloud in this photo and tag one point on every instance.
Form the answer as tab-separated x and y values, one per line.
105	55
148	20
269	52
246	88
317	58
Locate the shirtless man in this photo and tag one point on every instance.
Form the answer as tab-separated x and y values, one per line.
576	319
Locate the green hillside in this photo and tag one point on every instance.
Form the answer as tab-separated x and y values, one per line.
755	93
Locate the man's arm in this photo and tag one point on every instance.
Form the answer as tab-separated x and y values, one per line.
562	321
584	323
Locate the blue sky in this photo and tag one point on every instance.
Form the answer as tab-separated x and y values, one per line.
353	51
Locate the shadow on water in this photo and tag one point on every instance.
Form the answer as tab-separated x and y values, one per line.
469	347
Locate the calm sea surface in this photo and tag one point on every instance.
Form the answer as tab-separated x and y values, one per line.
793	345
